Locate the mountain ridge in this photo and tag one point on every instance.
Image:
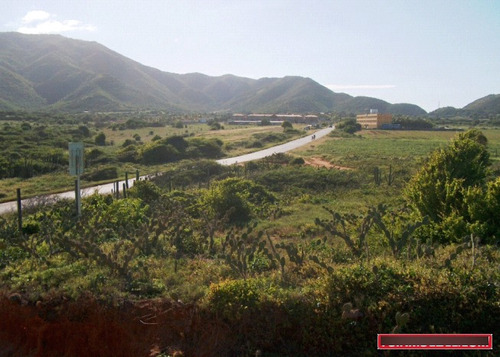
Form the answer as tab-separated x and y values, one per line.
53	72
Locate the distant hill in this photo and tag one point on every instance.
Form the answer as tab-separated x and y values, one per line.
488	105
52	72
448	112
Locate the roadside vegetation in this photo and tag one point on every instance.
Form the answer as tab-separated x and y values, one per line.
35	146
391	232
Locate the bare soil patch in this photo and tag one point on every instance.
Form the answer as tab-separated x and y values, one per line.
319	162
88	328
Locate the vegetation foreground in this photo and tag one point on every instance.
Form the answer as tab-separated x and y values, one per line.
273	258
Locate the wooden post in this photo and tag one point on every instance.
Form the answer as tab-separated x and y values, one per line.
19	211
137	175
124	190
117	189
78	197
126	179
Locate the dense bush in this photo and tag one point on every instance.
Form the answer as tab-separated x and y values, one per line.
36	162
349	126
342	313
237	199
204	148
128	154
171	149
100	139
306	178
192	172
158	152
106	173
96	156
145	190
451	186
413	123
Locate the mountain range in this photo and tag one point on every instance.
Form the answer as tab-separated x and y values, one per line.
52	72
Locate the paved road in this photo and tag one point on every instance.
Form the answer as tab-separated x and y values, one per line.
275	149
108	188
105	188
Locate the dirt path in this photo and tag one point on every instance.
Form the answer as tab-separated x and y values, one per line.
319	162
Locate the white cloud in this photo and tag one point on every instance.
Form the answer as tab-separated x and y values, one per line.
35	15
359	86
40	22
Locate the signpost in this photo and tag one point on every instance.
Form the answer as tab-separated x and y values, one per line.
76	169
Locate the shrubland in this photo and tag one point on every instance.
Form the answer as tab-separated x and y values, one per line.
277	256
35	146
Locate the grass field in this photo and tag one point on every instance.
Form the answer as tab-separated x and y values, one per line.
400	149
384	148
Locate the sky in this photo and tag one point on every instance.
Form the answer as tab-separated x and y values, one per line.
432	53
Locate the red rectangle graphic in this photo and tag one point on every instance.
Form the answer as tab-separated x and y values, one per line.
478	341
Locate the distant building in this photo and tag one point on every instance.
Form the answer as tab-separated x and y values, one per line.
275	119
373	120
390	126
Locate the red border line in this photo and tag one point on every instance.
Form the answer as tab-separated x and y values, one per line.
459	341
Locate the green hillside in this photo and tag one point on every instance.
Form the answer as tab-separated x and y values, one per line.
54	72
489	104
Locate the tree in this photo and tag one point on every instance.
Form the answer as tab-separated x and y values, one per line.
214	125
349	126
265	122
100	139
84	131
178	124
287	125
439	188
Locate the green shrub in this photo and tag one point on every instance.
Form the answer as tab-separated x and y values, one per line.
106	173
128	154
306	178
128	142
204	148
96	156
100	139
157	152
146	191
349	126
236	198
254	144
191	172
297	161
448	184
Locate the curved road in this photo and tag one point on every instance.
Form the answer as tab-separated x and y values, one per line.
291	145
108	188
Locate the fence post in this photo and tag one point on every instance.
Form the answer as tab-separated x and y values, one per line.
126	179
19	210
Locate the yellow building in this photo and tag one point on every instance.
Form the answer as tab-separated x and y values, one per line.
373	120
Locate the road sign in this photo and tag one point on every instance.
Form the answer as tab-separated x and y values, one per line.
75	158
